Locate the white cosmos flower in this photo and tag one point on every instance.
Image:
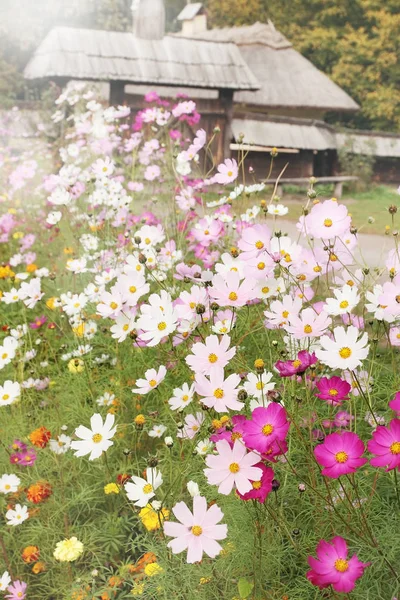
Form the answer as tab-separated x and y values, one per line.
258	385
7	351
140	490
61	445
345	350
17	516
5	581
182	397
193	488
277	210
96	440
204	447
9	392
106	399
9	484
152	379
157	431
54	217
346	299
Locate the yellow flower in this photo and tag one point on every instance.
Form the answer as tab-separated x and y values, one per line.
140	420
111	488
31	268
50	303
68	250
204	580
153	569
138	589
76	365
152	519
12	211
79	330
68	550
17	235
6	272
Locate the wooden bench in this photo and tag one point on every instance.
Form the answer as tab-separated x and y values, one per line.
338	181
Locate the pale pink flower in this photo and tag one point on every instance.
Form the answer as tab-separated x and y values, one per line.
211	355
254	241
232	467
326	220
198	531
191	427
227	172
219	393
309	324
229	290
152	379
282	311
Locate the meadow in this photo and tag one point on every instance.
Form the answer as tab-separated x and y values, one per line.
193	405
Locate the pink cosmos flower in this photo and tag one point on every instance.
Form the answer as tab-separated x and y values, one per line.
395	404
333	390
191	427
308	324
385	444
229	290
38	322
232	467
343	419
227	172
197	532
152	172
211	355
266	426
289	368
219	393
326	220
255	240
283	311
16	591
262	487
340	454
26	458
332	567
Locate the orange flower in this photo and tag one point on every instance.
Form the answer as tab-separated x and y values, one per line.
144	560
115	581
38	567
30	554
31	268
38	492
40	437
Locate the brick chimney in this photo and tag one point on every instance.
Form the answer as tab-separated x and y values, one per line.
148	19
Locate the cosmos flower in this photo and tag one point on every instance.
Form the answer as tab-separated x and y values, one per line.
232	467
217	392
345	351
385	444
152	379
266	426
261	487
96	440
211	355
140	490
334	390
340	454
16	591
16	516
197	531
333	567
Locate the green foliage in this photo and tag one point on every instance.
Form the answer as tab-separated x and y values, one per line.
359	165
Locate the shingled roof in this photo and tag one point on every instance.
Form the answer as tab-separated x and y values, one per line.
113	56
288	79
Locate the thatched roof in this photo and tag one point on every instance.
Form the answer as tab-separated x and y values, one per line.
303	134
113	56
288	79
375	143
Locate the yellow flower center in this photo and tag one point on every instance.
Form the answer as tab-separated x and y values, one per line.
260	385
161	326
206	232
296	363
233	296
148	488
185	398
197	530
395	448
265	290
114	305
132	289
285	314
341	565
341	457
212	358
4	356
97	438
333	392
219	393
328	222
307	329
345	352
6	397
125	327
7	487
147	241
229	173
234	468
152	382
261	266
236	436
344	304
256	485
317	269
259	245
267	429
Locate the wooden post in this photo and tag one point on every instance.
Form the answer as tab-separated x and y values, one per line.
117	93
226	98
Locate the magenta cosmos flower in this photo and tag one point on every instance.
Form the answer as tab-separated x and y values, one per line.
232	467
288	368
16	591
211	355
340	454
266	426
197	532
333	390
38	322
262	487
395	404
333	567
385	444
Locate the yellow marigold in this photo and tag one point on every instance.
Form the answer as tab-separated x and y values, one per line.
76	365
152	519
138	589
17	235
224	420
216	423
6	272
38	567
30	554
31	268
79	331
50	303
111	488
153	569
259	363
68	550
68	250
140	420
